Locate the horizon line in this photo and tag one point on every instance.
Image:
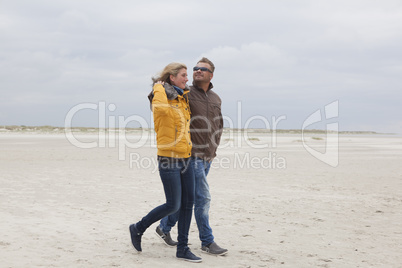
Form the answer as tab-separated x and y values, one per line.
53	128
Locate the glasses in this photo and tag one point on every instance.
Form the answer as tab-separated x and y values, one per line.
203	69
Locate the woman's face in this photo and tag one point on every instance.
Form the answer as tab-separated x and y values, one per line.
180	80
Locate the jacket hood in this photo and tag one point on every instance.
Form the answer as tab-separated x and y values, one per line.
171	93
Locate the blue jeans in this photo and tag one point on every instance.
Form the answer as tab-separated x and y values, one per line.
202	203
178	183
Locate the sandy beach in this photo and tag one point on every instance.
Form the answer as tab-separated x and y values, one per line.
274	206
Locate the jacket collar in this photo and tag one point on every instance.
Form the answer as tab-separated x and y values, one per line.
198	88
171	93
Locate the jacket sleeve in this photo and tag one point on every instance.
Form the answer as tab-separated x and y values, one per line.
220	128
160	103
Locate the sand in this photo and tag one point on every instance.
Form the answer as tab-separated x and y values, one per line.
279	206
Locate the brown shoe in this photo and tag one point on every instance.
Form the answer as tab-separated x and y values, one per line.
214	249
167	239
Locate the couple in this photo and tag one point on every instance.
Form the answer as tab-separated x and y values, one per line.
184	160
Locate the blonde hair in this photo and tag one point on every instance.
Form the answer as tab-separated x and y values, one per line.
171	69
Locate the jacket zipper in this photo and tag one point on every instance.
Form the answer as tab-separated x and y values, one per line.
205	136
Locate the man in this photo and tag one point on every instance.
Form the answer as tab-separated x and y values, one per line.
206	131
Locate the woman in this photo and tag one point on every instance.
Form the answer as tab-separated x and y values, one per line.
172	126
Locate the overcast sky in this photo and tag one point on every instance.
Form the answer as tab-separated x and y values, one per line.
274	59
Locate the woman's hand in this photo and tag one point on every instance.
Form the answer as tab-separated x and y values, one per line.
160	82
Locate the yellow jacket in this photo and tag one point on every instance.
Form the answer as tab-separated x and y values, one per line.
172	122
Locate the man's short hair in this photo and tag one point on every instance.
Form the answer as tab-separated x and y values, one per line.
205	60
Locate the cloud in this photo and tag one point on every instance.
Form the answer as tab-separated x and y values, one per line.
284	57
250	55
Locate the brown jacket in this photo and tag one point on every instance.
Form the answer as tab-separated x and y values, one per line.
206	122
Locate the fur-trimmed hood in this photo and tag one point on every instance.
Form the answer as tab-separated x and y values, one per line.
171	93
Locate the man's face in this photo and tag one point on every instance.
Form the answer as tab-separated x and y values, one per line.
202	76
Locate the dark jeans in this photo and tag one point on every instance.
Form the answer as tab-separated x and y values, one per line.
178	181
202	203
